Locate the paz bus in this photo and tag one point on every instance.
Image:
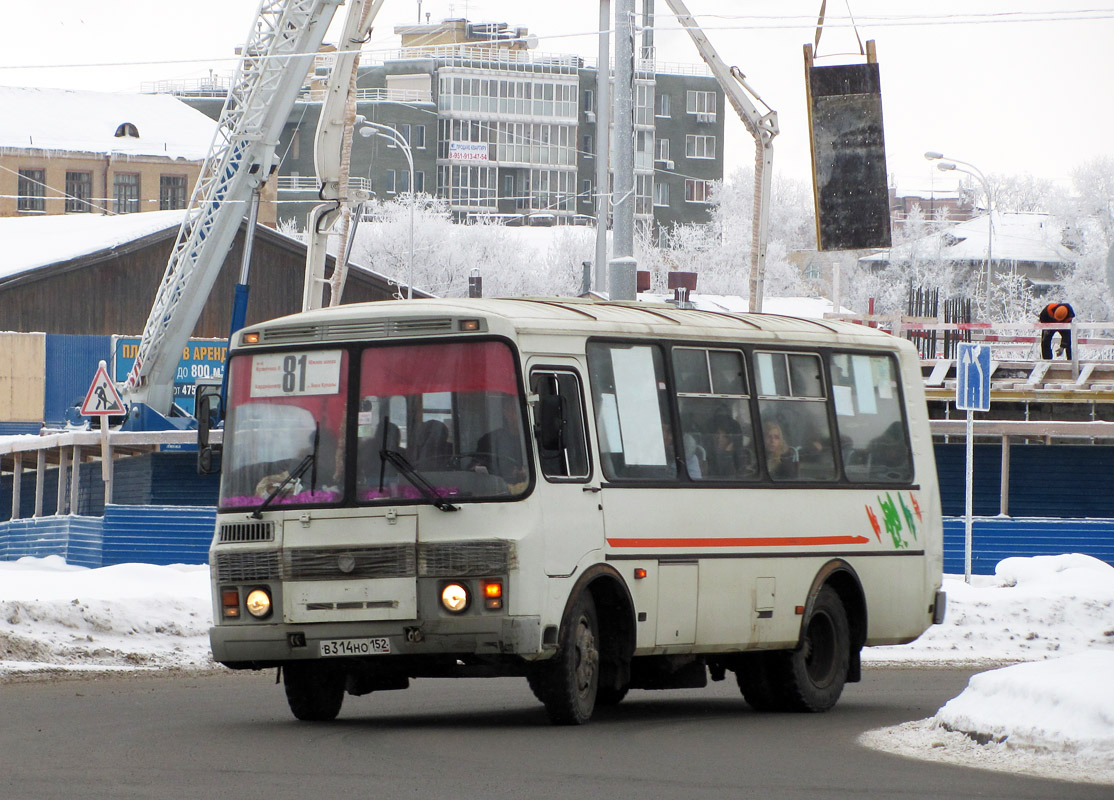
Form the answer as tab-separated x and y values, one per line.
595	496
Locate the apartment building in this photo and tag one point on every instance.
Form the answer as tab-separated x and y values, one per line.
70	152
500	130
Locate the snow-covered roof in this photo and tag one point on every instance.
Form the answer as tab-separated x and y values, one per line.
1017	236
61	119
33	242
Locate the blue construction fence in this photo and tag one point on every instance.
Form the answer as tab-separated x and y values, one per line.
125	534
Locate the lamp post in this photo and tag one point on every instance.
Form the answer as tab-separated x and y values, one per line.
975	172
370	129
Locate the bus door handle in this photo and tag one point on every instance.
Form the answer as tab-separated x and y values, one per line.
590	489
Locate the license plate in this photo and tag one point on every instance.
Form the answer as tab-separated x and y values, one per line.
355	647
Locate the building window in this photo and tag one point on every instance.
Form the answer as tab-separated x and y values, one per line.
589	146
697	191
589	100
662	106
419	181
172	192
390	181
79	192
702	104
697	146
419	137
125	192
586	191
661	194
32	190
644	104
127	129
662	150
403	178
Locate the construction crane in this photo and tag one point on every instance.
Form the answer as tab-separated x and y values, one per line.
284	40
762	126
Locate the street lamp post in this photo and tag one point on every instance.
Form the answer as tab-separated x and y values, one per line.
370	129
975	172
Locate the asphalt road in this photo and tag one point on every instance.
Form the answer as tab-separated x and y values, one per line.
230	735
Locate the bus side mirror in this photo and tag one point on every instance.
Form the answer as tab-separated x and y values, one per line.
208	412
551	422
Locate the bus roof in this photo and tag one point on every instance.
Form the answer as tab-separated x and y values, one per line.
583	316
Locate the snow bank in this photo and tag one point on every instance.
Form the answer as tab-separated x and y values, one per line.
1065	704
130	615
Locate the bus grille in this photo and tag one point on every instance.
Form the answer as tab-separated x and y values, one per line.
434	560
464	559
261	566
386	561
246	532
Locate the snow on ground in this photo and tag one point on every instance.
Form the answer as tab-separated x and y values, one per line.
1050	620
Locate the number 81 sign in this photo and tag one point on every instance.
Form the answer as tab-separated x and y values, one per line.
296	374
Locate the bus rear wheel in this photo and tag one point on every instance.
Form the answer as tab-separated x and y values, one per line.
567	684
314	690
812	676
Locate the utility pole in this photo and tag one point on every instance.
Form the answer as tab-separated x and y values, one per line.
603	144
623	268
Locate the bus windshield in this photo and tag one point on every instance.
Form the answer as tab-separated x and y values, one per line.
285	428
433	421
453	411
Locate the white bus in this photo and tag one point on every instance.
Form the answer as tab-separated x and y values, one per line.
595	496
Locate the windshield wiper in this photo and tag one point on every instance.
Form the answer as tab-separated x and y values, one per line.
399	462
293	476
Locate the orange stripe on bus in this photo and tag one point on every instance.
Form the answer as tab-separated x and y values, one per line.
763	541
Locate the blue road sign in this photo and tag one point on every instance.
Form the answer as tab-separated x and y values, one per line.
972	385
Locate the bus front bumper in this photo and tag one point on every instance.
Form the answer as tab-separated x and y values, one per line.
263	644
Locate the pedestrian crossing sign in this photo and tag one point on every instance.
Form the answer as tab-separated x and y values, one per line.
102	399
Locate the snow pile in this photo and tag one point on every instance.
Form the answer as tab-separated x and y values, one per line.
1030	609
1031	705
126	616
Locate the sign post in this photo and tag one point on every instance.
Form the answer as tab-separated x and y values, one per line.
972	393
102	400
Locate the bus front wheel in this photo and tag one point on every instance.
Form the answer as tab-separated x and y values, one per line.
567	684
314	690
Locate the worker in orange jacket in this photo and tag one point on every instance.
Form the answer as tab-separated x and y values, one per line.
1056	312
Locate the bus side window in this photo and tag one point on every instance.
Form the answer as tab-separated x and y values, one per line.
559	425
872	429
794	411
632	411
714	409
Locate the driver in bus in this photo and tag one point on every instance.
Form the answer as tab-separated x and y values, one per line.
499	451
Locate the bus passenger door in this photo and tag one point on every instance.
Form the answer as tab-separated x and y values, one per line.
570	500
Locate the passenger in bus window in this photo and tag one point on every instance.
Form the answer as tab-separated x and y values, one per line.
727	458
780	457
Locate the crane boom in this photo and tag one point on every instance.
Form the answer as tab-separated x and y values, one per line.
330	156
285	36
762	126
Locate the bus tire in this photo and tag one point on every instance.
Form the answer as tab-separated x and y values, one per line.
813	675
314	690
753	675
568	683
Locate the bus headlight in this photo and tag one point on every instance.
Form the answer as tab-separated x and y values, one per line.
258	603
454	597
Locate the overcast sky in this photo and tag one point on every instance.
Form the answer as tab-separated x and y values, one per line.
1011	86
